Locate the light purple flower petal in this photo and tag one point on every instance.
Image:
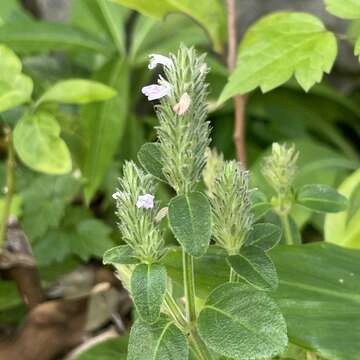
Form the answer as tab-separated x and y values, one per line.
159	59
145	201
154	92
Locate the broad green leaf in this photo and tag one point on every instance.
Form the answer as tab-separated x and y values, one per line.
103	125
38	143
260	205
265	236
346	9
148	285
149	156
77	91
318	293
242	324
122	254
11	10
9	295
321	198
159	341
109	349
255	267
208	13
344	228
15	87
278	46
42	36
190	221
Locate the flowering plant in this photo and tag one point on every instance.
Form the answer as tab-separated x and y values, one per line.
238	320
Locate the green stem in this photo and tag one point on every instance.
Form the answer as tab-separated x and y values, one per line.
287	229
200	348
175	311
10	188
189	287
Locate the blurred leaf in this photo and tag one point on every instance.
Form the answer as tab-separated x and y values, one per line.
15	87
103	125
276	47
208	13
232	323
43	36
318	293
77	91
9	295
111	349
321	198
11	10
344	228
346	9
38	143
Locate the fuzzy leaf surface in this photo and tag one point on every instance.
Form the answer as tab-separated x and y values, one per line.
148	285
122	254
264	236
190	221
278	46
149	156
346	9
242	324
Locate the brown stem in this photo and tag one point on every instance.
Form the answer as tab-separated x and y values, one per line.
240	101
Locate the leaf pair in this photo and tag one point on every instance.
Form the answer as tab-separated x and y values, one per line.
253	264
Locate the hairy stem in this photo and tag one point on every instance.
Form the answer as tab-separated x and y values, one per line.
10	186
175	311
287	229
189	287
240	101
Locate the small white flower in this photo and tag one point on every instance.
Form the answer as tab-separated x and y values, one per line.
156	59
116	195
154	92
145	201
183	105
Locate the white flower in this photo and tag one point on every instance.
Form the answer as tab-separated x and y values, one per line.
116	195
159	59
154	92
183	105
145	201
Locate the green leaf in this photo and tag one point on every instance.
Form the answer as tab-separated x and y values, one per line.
260	205
103	125
321	198
255	267
278	46
159	341
318	293
149	157
109	349
148	285
344	228
242	324
346	9
77	91
208	13
38	143
9	295
190	222
122	254
42	36
15	87
265	236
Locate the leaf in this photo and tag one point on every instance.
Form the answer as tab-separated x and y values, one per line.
149	157
255	267
15	87
346	9
190	222
148	285
265	236
38	143
321	198
42	36
278	46
9	295
109	349
343	228
242	324
159	341
318	293
77	91
122	254
103	125
210	14
260	205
